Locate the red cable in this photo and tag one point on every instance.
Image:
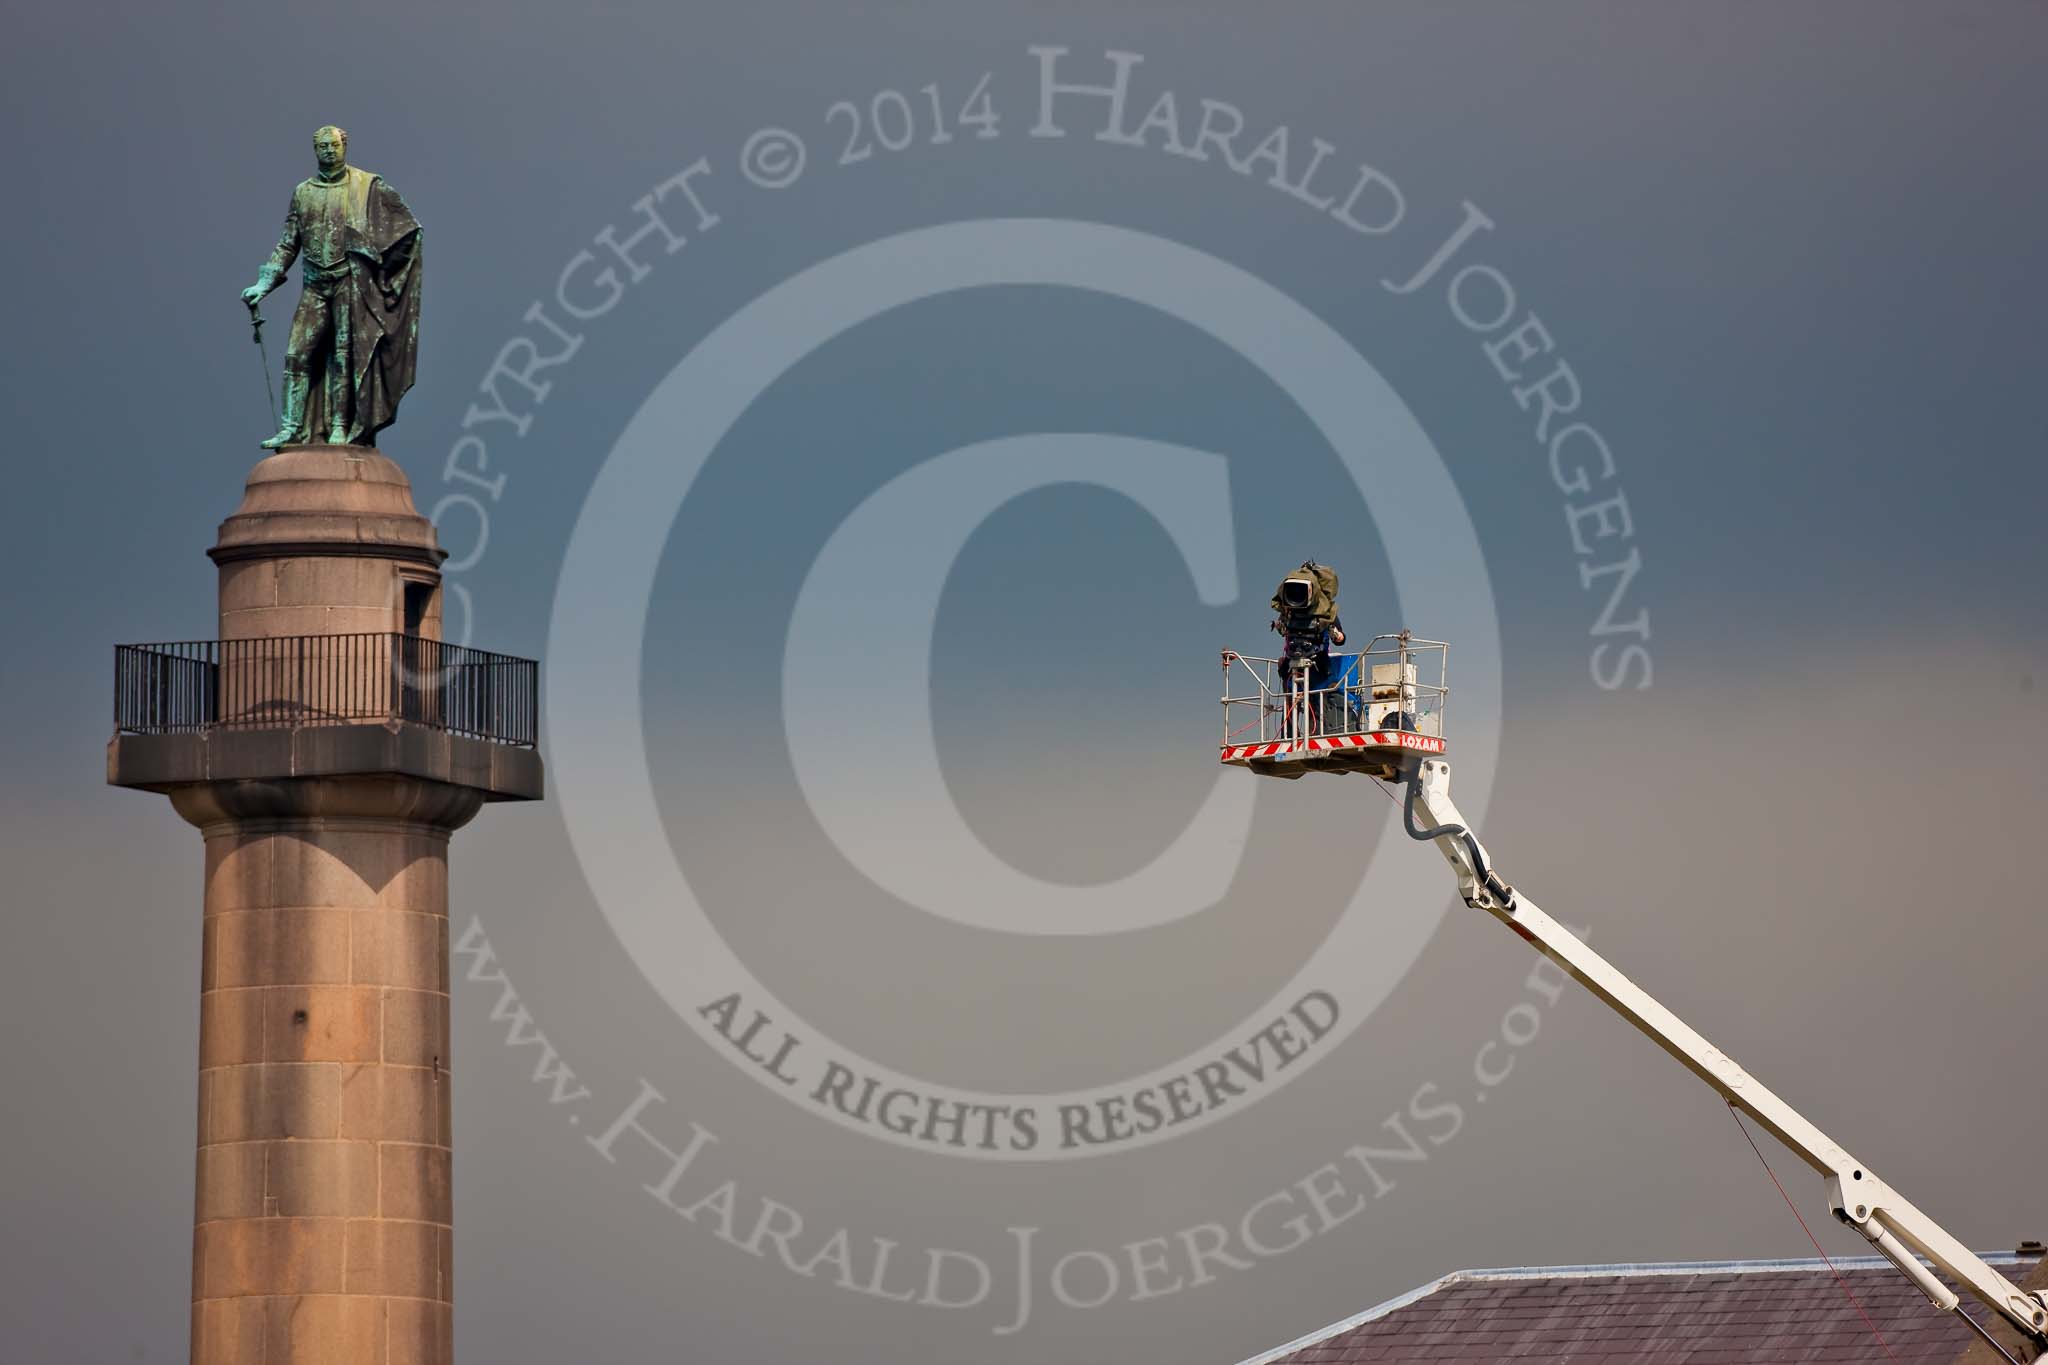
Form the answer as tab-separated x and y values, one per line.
1242	728
1858	1303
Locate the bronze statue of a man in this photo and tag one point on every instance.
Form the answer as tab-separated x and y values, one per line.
356	331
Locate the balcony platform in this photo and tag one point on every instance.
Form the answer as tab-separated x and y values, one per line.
164	762
302	707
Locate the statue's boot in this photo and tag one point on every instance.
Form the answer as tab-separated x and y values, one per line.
337	405
295	387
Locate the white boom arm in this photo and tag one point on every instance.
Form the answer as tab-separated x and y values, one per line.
1856	1196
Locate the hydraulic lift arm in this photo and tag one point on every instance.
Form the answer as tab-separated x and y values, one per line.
1856	1196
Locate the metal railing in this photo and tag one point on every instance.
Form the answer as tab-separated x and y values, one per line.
297	680
1396	683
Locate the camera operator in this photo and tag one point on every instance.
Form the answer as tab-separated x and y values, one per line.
1315	644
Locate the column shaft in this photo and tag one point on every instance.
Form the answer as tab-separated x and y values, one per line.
323	1216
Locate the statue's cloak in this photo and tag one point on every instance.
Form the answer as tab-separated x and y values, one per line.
383	307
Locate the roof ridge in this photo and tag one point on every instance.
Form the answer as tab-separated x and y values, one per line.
1754	1267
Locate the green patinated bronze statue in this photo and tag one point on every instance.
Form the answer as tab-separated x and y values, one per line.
355	335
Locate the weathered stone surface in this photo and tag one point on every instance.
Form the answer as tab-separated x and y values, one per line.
251	1103
270	622
322	1024
413	1183
399	1259
320	1179
309	947
421	1332
415	1028
395	1103
325	1329
230	1027
250	1256
228	1331
230	1181
392	948
238	873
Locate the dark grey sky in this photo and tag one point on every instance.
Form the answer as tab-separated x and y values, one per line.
1790	254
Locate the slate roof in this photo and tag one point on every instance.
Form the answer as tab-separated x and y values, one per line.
1726	1313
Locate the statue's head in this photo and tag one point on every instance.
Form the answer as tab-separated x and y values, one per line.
330	148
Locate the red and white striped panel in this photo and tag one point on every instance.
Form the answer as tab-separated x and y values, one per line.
1317	744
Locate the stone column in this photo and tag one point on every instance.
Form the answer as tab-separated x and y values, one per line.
309	748
323	1223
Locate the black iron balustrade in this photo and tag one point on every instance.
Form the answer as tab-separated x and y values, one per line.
296	680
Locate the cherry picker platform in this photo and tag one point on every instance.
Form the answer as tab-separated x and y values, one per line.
1359	713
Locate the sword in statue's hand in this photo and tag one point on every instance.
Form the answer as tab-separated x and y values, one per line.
256	327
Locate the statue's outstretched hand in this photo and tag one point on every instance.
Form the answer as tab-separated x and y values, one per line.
253	295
